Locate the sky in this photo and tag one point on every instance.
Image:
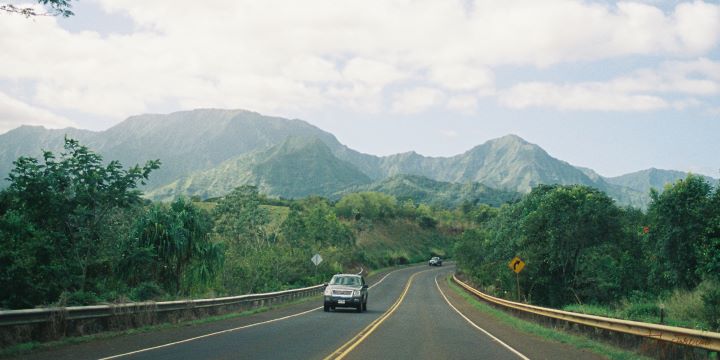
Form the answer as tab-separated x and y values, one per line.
613	86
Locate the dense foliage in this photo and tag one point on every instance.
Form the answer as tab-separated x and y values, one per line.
57	223
74	230
580	247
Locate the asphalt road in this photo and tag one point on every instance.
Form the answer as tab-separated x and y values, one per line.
408	317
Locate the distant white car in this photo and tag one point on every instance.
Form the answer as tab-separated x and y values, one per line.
435	261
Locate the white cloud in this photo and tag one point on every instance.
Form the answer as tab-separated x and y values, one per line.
370	72
463	103
449	133
463	78
686	103
643	90
416	100
594	97
280	56
14	113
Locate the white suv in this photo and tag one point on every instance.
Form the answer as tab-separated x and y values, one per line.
346	290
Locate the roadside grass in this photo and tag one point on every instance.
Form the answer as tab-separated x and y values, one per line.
544	332
23	348
682	308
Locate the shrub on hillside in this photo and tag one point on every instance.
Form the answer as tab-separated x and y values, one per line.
711	305
642	310
146	291
78	298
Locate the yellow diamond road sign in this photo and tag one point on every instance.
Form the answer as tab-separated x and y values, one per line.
516	265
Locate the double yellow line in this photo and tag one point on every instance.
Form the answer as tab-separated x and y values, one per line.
342	351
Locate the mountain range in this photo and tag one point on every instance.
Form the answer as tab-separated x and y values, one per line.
208	152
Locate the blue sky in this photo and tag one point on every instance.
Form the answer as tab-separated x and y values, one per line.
614	86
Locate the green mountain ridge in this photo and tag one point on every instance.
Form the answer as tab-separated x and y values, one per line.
421	189
296	168
232	147
652	178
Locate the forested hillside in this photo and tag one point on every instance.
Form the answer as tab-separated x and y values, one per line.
298	167
585	253
74	231
438	193
208	152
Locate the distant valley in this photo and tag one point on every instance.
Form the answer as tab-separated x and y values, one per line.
208	152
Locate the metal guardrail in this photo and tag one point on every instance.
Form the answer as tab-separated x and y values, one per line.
672	334
34	316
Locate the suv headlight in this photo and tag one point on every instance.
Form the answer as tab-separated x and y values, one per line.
328	292
356	293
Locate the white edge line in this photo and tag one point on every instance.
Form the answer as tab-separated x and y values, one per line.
478	327
229	330
211	334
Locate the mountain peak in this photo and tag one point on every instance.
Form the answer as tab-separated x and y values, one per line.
512	138
294	143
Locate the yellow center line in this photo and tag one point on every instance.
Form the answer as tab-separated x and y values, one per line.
346	348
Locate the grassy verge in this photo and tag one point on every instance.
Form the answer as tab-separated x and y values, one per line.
539	330
683	308
23	348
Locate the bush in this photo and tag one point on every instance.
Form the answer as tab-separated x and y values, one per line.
427	222
711	306
146	291
642	310
78	298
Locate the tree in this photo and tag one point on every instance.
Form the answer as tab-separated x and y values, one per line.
172	245
368	205
679	220
240	218
709	250
52	7
67	202
570	234
571	238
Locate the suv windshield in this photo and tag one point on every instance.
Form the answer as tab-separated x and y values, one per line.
345	280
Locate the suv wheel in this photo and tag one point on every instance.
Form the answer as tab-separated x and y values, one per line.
326	308
364	306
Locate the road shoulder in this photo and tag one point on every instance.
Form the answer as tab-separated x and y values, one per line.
533	346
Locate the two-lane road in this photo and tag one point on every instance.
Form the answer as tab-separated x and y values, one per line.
310	336
409	317
426	327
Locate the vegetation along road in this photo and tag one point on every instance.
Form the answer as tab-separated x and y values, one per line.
412	314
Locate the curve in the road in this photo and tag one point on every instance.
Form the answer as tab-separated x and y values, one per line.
425	327
230	330
346	348
476	325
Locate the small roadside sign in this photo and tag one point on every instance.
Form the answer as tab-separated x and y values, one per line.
316	259
516	265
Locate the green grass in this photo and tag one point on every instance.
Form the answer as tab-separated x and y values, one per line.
682	308
399	241
544	332
19	349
